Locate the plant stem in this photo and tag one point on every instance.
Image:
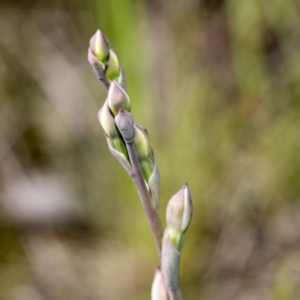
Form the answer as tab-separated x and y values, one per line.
150	211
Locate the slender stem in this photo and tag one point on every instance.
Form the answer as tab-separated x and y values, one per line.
151	212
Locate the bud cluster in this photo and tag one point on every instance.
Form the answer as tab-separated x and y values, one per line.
125	138
110	116
115	116
104	60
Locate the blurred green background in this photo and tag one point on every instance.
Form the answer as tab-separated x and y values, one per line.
217	85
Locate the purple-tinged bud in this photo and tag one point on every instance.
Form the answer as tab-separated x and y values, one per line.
141	141
124	122
97	65
115	142
107	121
100	46
113	69
117	98
159	290
180	210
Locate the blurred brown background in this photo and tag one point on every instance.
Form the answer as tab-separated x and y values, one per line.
216	83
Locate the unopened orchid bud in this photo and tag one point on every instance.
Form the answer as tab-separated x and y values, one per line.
141	141
176	237
97	65
118	144
107	121
180	210
159	290
114	139
170	265
152	178
118	149
100	46
113	69
154	186
124	122
147	167
147	163
122	78
117	98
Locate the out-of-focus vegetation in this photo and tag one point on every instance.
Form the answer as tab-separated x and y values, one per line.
216	83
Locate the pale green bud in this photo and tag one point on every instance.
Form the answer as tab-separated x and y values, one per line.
119	145
180	210
154	186
176	237
113	69
122	78
147	163
124	122
147	166
100	46
170	264
107	121
141	141
117	148
117	98
159	290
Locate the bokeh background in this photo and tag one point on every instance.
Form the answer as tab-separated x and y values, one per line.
216	83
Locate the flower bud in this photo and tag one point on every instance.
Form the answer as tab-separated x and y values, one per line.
179	210
176	237
147	167
154	186
124	122
117	98
170	264
97	65
141	141
159	290
122	78
113	70
100	46
107	121
118	144
118	149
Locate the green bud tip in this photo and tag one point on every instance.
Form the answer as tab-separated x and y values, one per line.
113	70
141	141
107	121
117	98
100	46
124	122
180	210
159	290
